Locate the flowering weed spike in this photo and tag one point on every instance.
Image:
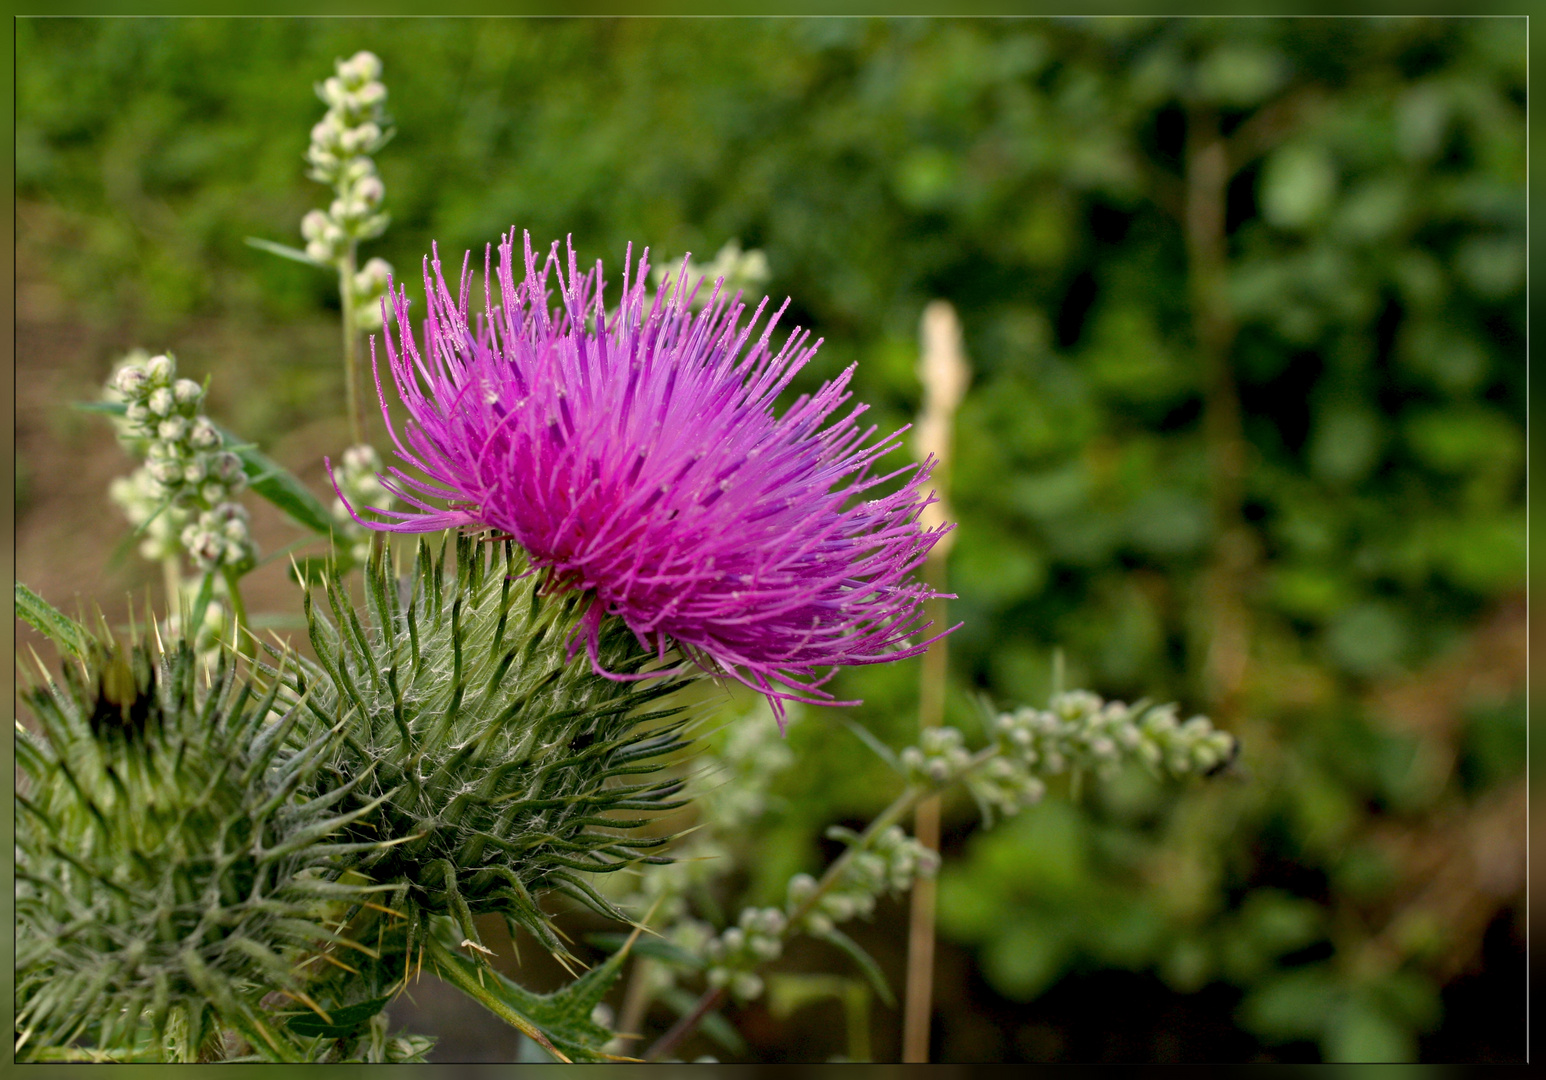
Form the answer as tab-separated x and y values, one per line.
641	463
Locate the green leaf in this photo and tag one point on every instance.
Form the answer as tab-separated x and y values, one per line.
866	962
867	737
559	1022
51	622
285	252
344	1022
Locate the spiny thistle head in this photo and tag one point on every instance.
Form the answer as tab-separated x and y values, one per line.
642	464
499	765
168	873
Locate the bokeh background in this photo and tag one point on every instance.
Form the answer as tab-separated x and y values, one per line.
1244	301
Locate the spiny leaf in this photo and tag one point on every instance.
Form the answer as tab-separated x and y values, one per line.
51	622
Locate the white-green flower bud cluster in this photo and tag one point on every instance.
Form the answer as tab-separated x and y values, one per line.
370	286
140	496
756	939
213	632
219	536
742	271
353	128
1080	730
940	757
359	480
185	470
890	863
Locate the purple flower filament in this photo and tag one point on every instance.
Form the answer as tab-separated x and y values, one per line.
639	460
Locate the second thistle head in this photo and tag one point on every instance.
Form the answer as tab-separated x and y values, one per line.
637	457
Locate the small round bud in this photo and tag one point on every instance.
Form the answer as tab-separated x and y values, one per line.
363	67
746	986
186	391
801	887
130	380
766	948
203	434
195	471
370	96
161	402
369	191
172	428
314	225
334	92
227	466
164	470
160	369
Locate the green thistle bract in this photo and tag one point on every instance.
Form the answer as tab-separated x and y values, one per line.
172	858
503	764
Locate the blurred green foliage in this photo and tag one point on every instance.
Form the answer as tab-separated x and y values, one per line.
1036	174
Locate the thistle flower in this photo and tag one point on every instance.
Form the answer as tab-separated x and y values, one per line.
641	462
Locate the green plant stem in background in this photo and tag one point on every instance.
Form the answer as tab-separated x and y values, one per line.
943	370
171	580
354	404
242	636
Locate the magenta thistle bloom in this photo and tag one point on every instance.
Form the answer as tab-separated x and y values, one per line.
636	456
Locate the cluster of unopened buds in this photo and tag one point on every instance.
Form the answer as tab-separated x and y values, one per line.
1079	730
756	939
888	863
341	144
185	472
940	757
360	482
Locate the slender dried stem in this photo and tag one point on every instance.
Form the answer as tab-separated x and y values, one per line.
943	370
